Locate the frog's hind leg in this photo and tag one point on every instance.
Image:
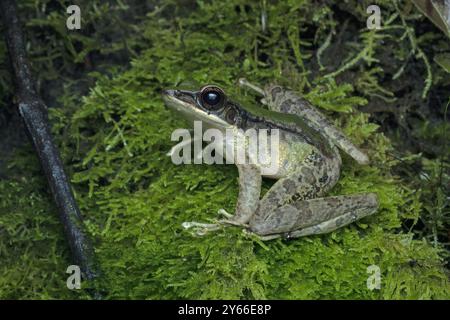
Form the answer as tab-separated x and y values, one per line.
315	216
244	83
286	101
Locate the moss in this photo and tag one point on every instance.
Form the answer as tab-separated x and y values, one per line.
134	199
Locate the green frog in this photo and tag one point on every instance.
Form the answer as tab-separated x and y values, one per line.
308	163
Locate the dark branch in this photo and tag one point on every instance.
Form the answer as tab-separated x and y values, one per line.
34	113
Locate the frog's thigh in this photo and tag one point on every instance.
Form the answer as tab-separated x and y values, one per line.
316	216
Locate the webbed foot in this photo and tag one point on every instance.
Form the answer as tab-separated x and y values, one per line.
201	228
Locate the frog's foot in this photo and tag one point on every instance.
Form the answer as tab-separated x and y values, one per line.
225	213
201	228
252	234
230	219
244	83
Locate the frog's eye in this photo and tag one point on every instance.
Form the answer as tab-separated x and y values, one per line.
212	98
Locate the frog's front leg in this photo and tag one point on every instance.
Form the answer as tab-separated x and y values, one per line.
247	203
314	216
249	192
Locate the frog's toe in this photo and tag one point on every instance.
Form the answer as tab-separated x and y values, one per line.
231	219
226	214
200	228
252	234
245	83
193	224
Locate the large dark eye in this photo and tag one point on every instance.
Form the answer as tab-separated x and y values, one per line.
212	97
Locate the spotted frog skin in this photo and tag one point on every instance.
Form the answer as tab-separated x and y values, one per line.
309	164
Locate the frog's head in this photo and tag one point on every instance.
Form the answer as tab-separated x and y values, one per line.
209	104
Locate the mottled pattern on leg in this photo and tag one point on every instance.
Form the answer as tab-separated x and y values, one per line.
286	101
368	205
306	182
314	216
274	96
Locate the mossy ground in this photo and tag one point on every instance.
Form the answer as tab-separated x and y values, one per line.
114	142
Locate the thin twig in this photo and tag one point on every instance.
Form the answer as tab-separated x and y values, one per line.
34	113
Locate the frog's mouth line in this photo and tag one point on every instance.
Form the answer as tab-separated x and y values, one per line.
185	103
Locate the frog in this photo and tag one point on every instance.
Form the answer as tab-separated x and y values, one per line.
309	163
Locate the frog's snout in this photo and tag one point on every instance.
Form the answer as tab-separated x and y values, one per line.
168	92
167	96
